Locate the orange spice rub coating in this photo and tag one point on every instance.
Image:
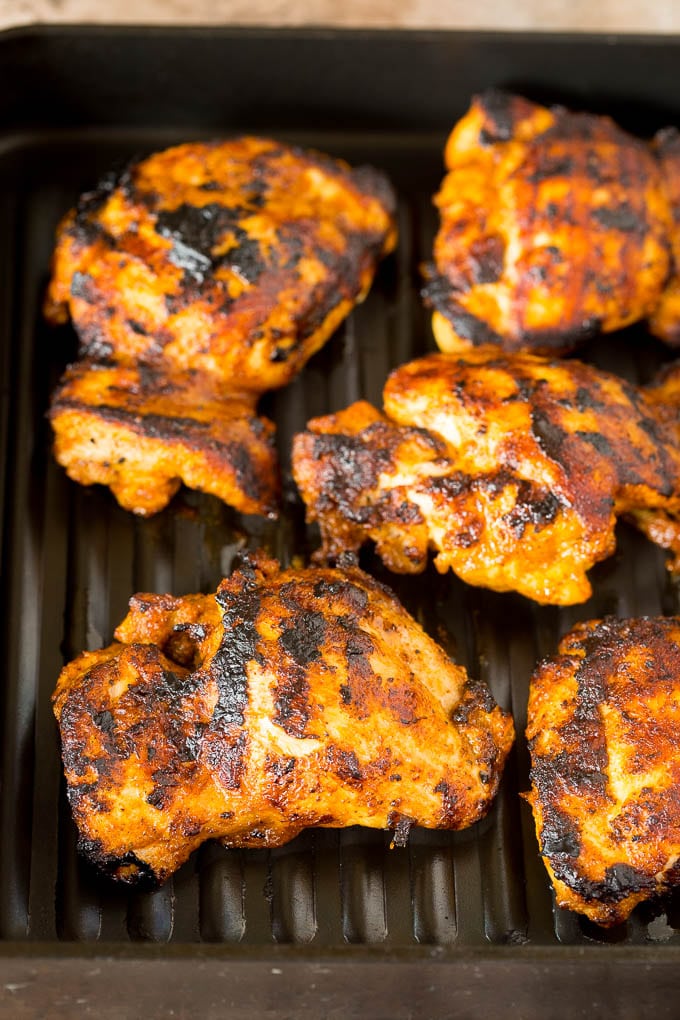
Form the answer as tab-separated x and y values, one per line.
511	467
237	258
287	699
603	721
555	226
231	261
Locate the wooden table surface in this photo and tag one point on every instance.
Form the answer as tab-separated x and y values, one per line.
562	15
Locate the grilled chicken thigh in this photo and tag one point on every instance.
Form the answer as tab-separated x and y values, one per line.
554	226
513	468
143	433
287	699
665	320
232	262
603	723
235	258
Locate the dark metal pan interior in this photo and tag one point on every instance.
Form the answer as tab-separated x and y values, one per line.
75	103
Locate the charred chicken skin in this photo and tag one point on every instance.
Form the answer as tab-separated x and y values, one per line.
665	320
287	699
234	261
236	258
603	723
512	467
554	226
143	433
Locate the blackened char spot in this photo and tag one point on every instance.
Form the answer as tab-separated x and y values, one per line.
225	757
246	258
194	232
624	879
292	702
438	290
237	649
104	720
345	764
350	463
358	645
128	867
282	352
600	442
549	166
303	638
620	881
350	596
536	507
248	476
622	217
477	696
568	337
163	425
592	676
158	798
327	589
198	227
75	760
487	137
449	800
487	259
523	391
469	327
301	641
137	327
355	598
172	686
585	400
151	425
90	203
651	428
550	437
567	843
451	485
498	108
83	287
402	829
143	876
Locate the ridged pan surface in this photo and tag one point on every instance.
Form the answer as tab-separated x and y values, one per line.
71	559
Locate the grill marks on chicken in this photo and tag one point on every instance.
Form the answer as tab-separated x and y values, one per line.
513	468
233	260
602	728
288	699
143	433
555	226
665	320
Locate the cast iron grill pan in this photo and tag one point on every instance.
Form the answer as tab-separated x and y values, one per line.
71	557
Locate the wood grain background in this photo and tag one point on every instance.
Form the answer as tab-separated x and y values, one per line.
562	15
